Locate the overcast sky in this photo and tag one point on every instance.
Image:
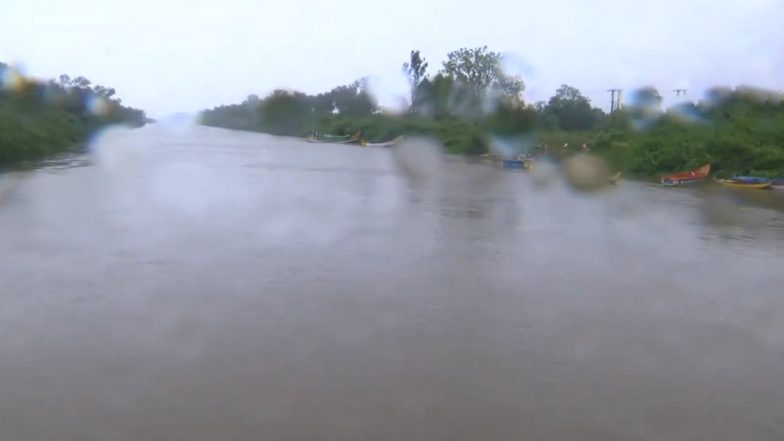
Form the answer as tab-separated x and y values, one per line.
167	56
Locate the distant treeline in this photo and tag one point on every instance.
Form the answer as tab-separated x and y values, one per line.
472	106
42	118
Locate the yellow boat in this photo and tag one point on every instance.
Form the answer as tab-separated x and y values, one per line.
738	184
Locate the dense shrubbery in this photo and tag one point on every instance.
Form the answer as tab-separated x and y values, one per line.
38	119
742	132
471	102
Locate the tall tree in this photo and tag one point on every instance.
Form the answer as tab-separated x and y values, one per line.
480	69
477	67
284	112
353	99
647	98
324	103
416	72
571	109
106	92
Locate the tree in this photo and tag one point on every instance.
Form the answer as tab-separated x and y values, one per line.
40	118
323	103
480	69
511	119
81	82
106	92
645	108
443	96
64	81
432	96
647	98
353	99
416	72
284	113
476	67
571	109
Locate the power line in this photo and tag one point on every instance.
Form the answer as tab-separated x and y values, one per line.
615	99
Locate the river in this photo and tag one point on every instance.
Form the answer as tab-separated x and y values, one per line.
206	285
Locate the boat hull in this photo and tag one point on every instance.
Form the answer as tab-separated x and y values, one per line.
391	143
687	177
325	141
676	182
740	184
750	179
519	164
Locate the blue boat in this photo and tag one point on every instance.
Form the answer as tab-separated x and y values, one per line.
750	179
516	164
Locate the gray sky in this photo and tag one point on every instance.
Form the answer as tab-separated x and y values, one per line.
167	56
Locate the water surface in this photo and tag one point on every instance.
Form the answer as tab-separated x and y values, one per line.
213	285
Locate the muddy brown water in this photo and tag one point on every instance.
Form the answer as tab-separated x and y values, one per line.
208	285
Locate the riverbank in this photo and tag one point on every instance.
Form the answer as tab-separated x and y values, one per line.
749	147
34	138
743	138
39	119
738	130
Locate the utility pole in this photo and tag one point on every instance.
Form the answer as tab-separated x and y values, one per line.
679	92
615	99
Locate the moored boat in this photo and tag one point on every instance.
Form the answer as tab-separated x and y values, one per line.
777	183
734	183
750	179
335	139
513	163
687	177
520	164
391	143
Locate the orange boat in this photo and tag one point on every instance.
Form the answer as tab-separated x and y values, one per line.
687	177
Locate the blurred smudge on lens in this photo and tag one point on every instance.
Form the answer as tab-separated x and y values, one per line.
112	148
586	172
13	79
421	159
97	105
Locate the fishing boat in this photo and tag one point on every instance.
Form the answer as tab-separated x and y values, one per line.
750	179
330	141
520	164
777	183
384	144
734	183
335	139
513	163
687	177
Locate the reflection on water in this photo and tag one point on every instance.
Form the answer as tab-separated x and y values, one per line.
208	284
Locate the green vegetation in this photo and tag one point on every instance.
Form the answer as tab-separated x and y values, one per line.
38	119
738	131
473	107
